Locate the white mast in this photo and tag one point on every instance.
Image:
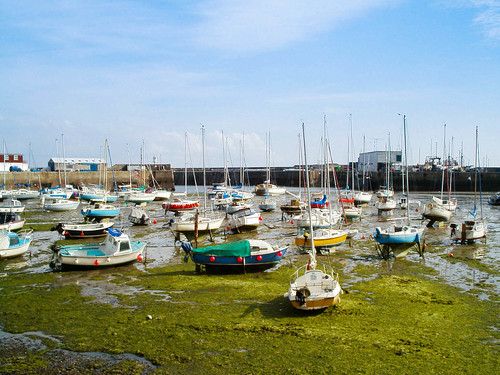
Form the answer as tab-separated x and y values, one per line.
312	254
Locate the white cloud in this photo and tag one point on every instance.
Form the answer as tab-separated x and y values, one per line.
487	18
263	25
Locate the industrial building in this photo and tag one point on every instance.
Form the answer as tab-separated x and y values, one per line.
76	164
375	161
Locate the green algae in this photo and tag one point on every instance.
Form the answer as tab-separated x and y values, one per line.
184	322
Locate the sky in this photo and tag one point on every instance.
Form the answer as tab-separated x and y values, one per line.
152	73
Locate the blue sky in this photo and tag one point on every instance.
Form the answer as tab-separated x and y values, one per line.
134	71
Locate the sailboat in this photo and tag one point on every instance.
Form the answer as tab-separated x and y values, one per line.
312	287
399	238
362	197
385	195
267	188
439	209
99	210
351	211
140	195
196	223
473	228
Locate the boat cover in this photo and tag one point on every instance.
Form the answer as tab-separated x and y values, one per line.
236	249
114	232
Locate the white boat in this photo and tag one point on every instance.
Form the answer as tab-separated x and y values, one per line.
449	204
14	244
100	211
58	204
475	228
435	212
362	198
117	249
321	218
384	192
385	204
11	221
21	194
190	223
267	188
138	197
244	219
11	205
312	288
84	230
138	216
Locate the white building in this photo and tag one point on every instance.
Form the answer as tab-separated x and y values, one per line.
375	161
9	162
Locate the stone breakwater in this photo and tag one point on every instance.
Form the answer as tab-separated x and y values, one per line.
419	181
37	180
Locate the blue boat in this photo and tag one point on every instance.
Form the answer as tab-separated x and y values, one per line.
117	249
100	211
494	200
13	245
241	254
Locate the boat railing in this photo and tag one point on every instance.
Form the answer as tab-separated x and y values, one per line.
325	268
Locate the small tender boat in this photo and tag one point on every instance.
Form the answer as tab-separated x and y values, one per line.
14	244
243	253
11	221
58	204
100	211
84	230
244	219
117	249
469	231
138	216
494	200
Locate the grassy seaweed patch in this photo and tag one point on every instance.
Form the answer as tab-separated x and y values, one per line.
183	322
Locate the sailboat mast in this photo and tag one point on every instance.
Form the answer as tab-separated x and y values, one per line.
443	163
313	249
475	173
352	155
203	165
185	163
406	168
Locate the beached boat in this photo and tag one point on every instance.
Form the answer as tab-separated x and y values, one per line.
83	230
313	288
138	216
117	249
58	204
324	239
494	199
267	205
191	223
244	219
473	228
295	207
243	253
319	201
11	205
321	218
100	211
181	205
11	221
399	238
14	244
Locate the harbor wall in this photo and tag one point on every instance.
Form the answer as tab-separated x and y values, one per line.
164	178
419	181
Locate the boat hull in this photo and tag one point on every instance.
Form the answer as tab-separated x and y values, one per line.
11	251
83	230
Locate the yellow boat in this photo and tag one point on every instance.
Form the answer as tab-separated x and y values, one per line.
322	238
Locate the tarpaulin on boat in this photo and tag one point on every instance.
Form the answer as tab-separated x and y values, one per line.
236	249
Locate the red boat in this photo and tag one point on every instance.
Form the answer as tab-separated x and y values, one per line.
181	205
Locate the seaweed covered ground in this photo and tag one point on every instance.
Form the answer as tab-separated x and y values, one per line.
169	319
